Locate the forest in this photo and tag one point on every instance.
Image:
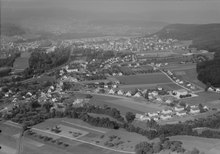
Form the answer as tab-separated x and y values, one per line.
209	71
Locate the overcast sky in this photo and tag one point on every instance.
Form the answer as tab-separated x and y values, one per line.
112	11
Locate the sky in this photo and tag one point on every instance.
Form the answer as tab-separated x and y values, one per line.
137	13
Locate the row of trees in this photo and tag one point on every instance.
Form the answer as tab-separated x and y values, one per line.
27	112
209	72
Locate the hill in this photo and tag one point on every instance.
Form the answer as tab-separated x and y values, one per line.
205	36
10	29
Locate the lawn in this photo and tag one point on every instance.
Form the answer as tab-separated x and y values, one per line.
153	78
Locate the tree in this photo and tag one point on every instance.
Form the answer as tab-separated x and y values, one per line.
195	151
130	117
157	147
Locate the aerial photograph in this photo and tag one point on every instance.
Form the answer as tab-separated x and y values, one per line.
110	77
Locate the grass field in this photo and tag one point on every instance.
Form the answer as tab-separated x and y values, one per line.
8	142
206	98
153	78
21	62
126	104
203	144
122	140
189	75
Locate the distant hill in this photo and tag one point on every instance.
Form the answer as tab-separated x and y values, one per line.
205	36
10	29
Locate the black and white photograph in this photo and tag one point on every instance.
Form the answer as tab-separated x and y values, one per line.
110	77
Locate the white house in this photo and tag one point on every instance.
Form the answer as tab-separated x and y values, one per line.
152	114
210	89
166	111
217	90
194	110
165	117
178	109
111	91
120	92
181	113
128	94
154	93
181	92
138	94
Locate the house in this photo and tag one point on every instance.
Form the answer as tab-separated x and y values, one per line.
165	117
155	118
180	92
138	94
77	101
111	91
29	94
194	110
160	88
217	90
210	89
128	94
159	99
152	114
166	111
178	109
120	92
154	93
181	113
168	101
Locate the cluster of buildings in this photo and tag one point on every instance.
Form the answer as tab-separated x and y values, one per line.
178	111
135	44
213	89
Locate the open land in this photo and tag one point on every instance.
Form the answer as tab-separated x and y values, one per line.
209	146
153	78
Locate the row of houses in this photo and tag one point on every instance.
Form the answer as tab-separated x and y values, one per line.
168	114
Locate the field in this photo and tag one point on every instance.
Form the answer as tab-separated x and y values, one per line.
33	145
189	75
209	146
126	104
21	62
153	78
168	86
206	98
114	139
